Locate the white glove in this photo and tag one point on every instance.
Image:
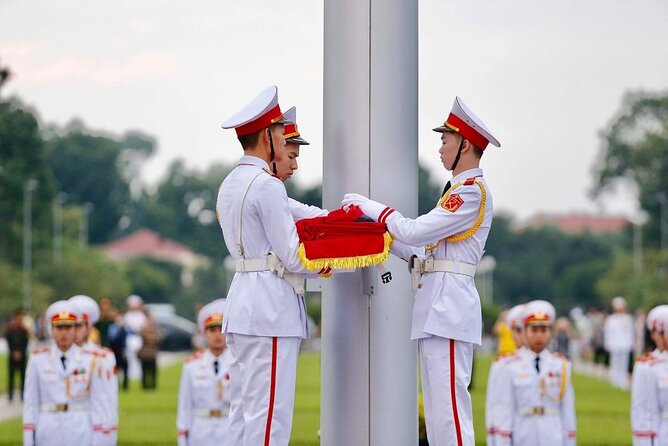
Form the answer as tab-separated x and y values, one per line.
370	208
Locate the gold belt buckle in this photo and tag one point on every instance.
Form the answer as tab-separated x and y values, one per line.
216	413
62	407
538	411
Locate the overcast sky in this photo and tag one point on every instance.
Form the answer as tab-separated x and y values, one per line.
545	76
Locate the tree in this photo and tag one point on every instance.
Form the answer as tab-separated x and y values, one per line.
183	208
545	263
102	170
635	150
22	158
428	191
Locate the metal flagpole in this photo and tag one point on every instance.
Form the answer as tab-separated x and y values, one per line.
369	364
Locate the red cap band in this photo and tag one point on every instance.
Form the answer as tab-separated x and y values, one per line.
290	131
264	121
468	132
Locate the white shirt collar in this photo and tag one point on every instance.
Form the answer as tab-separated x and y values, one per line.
476	172
255	161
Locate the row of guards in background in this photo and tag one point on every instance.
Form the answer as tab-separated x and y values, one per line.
530	397
71	385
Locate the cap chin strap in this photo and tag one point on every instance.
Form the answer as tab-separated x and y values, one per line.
273	154
459	153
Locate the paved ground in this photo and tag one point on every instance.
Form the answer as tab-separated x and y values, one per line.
15	408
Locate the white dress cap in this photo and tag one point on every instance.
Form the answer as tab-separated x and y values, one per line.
211	314
90	310
134	300
463	121
539	312
514	316
657	318
61	312
259	114
291	132
618	302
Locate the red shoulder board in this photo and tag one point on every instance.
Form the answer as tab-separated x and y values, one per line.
469	181
561	356
453	203
40	350
503	356
646	357
195	356
92	352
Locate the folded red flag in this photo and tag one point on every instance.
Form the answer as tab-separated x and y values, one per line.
339	241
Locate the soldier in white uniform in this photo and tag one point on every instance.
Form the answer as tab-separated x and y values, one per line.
61	387
89	312
204	401
514	320
535	388
447	319
646	413
265	310
289	164
618	339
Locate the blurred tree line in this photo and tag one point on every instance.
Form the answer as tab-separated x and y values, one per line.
95	176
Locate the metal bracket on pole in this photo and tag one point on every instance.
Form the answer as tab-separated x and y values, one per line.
369	281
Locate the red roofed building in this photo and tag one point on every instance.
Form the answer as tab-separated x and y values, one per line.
149	244
576	224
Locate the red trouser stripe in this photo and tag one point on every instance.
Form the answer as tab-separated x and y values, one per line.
272	390
453	393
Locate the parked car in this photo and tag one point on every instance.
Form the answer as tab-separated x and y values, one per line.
177	332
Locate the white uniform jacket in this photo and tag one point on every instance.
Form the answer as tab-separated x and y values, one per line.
447	304
645	411
260	303
57	408
301	211
535	409
106	434
618	333
204	404
492	403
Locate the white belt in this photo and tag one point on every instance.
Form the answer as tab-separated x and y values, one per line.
252	265
272	263
212	413
417	267
539	410
448	266
63	407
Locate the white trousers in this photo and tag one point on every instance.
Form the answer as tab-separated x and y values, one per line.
619	369
446	373
132	345
262	389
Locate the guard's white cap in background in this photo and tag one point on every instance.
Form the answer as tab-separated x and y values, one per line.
539	312
61	312
90	310
515	316
463	121
211	314
291	133
657	318
618	302
259	114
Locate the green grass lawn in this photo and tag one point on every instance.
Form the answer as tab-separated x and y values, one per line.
148	418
